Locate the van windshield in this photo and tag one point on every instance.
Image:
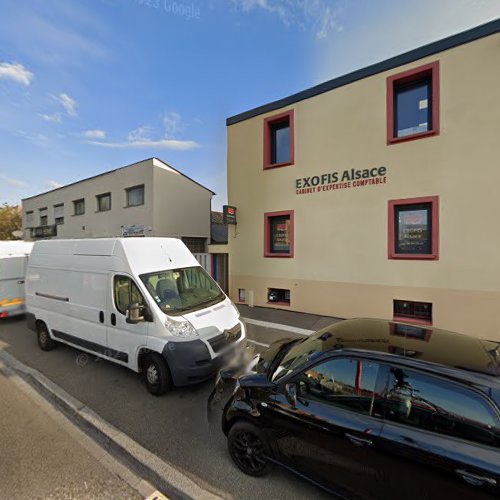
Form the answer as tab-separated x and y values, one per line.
182	290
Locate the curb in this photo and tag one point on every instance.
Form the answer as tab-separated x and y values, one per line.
278	326
170	481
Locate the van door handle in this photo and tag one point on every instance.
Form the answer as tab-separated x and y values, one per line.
476	480
101	316
20	282
113	319
358	441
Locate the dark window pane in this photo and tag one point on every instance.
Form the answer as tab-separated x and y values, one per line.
280	234
280	142
122	293
413	228
435	405
79	207
414	310
104	202
412	108
349	383
135	196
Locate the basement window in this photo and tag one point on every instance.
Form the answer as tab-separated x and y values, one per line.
415	312
279	296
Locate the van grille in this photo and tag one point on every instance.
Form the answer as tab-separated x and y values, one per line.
226	338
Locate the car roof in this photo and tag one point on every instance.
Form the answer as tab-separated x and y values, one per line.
461	355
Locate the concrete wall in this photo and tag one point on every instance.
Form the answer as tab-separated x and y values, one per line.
341	265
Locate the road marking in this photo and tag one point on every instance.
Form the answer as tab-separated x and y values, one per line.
278	326
258	343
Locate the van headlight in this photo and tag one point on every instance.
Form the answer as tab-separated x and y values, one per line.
181	328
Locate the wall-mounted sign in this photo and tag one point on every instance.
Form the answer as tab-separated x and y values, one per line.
347	179
229	214
135	230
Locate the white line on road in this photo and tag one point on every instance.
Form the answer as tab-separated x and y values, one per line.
277	326
258	343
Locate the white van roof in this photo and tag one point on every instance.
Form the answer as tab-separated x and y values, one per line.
11	248
143	255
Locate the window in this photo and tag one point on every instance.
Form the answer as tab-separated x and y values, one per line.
418	312
79	207
103	202
279	140
278	296
135	196
413	104
29	219
59	213
195	245
414	228
436	405
278	234
44	219
348	383
126	293
241	295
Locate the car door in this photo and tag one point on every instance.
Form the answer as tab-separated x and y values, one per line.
124	338
442	438
330	432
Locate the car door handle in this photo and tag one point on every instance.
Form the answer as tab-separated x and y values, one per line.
20	282
358	441
113	319
476	480
101	316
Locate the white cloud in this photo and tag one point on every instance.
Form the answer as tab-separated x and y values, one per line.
55	118
172	144
140	134
94	134
51	184
16	72
173	124
68	103
13	182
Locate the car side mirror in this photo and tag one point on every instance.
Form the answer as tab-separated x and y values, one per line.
133	313
291	393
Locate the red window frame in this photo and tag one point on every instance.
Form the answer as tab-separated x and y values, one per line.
434	255
273	120
409	318
409	76
267	234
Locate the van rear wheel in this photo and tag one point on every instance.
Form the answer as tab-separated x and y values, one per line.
156	374
44	340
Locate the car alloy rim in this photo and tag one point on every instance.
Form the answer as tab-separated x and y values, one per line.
249	451
152	374
43	337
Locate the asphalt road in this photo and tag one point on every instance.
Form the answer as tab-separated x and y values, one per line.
175	426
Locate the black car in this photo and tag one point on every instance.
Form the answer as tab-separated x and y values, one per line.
373	409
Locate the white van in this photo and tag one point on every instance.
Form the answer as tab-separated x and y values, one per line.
145	303
13	262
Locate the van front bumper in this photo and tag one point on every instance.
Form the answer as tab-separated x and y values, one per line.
191	362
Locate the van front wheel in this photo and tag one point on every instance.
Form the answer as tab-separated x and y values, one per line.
156	374
44	340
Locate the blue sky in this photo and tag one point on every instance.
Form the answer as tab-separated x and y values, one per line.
88	86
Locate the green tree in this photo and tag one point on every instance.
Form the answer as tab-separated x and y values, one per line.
10	220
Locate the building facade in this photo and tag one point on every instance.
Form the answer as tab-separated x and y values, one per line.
376	194
148	198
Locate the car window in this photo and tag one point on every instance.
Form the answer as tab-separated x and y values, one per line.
436	405
345	382
126	292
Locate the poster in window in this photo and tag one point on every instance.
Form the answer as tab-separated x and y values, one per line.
414	232
280	234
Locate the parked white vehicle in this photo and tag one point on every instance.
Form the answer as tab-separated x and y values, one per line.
145	303
13	262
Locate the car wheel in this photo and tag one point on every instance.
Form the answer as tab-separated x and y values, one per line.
248	448
156	374
44	340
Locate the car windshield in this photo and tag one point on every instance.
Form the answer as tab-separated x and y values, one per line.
300	352
181	290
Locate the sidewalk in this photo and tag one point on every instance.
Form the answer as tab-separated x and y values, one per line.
41	457
304	321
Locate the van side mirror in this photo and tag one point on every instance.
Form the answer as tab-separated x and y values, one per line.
133	313
291	394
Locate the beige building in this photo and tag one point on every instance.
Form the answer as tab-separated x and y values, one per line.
148	198
376	193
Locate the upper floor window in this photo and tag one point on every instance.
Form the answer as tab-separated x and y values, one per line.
278	234
413	103
279	140
414	228
29	218
348	383
59	213
79	207
44	219
135	196
103	202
